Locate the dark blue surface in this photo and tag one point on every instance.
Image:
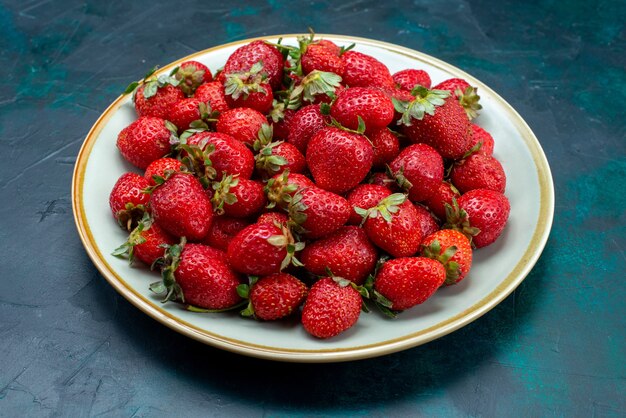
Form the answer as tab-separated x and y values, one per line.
71	346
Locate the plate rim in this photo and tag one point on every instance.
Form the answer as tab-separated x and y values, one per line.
484	305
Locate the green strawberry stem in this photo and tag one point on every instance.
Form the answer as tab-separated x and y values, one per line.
129	217
169	263
424	103
385	208
458	219
469	100
127	249
222	194
453	270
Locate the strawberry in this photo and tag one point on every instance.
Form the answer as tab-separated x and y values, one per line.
409	281
307	121
419	170
274	157
145	140
249	89
241	123
185	111
407	79
393	225
262	249
338	160
246	56
160	167
213	94
331	46
237	197
371	105
316	87
281	188
482	137
156	102
365	196
331	308
452	249
437	119
320	57
226	154
478	172
146	242
197	275
443	195
127	199
181	207
223	230
192	74
428	224
317	212
386	147
281	125
464	93
363	70
273	218
481	214
382	179
272	297
347	253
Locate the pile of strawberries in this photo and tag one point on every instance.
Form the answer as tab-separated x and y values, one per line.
306	179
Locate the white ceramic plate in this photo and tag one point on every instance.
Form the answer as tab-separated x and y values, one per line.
496	272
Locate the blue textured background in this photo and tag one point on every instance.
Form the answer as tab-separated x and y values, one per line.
71	346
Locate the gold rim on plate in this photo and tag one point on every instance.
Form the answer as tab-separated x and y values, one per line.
517	275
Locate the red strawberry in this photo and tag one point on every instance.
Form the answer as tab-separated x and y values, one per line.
347	252
372	105
274	157
407	79
318	87
317	212
382	179
158	168
181	207
365	196
331	308
453	250
249	89
237	197
127	200
197	275
273	297
338	160
241	123
185	111
409	281
436	119
428	224
223	230
443	195
307	121
321	58
479	135
262	249
281	188
158	100
213	94
281	124
464	93
393	225
192	74
258	51
478	172
228	155
145	140
145	242
386	147
419	169
482	213
330	45
363	70
273	218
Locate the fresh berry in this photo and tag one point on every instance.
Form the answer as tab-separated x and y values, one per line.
274	157
160	168
127	199
182	208
223	230
146	242
307	121
409	281
443	195
365	196
464	93
281	188
419	170
338	160
407	79
386	147
281	125
156	103
330	308
227	156
363	70
372	105
241	123
246	56
273	218
184	112
478	171
482	137
273	297
347	253
452	249
320	57
145	140
239	198
428	224
192	74
317	212
213	94
249	89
